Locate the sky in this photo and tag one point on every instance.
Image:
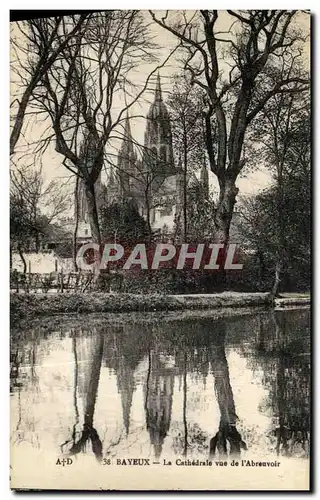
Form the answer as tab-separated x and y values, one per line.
52	167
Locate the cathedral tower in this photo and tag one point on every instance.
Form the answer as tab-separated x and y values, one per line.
127	161
158	137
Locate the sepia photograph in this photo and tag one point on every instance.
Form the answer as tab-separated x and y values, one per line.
160	250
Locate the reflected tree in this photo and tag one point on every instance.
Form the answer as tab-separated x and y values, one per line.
185	389
286	365
91	382
227	435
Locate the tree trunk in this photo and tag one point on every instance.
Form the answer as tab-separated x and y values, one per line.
37	242
148	217
93	382
185	424
18	122
89	432
185	166
22	258
93	213
95	229
261	265
75	232
281	232
223	217
275	288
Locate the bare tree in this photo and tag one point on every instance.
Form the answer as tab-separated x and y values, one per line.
238	69
34	205
185	106
76	224
30	65
79	91
39	197
284	136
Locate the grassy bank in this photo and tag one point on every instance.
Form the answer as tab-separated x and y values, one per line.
31	305
288	300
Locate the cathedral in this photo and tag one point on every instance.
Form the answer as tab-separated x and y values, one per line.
150	179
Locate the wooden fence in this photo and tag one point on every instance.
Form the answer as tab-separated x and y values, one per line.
58	282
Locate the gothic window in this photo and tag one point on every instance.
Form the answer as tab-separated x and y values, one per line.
166	210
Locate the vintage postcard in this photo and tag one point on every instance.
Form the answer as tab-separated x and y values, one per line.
160	255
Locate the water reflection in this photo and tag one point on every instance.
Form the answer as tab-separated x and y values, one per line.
195	387
227	435
286	368
158	399
88	387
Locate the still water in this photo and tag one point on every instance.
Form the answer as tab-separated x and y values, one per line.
163	386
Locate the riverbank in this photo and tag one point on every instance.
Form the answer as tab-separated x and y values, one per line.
30	305
24	306
292	299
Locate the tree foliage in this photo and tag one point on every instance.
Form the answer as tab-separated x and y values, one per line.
34	208
121	222
260	231
200	213
284	138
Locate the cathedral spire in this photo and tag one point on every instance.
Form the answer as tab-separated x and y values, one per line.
126	388
158	95
158	137
127	159
127	128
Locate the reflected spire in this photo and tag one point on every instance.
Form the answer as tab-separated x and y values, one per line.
158	401
126	388
126	356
